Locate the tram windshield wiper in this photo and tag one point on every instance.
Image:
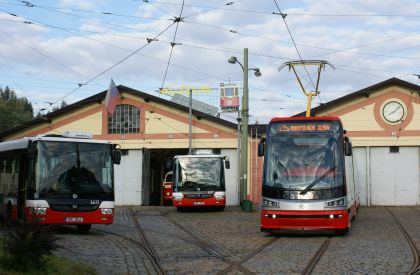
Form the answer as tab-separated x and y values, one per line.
316	181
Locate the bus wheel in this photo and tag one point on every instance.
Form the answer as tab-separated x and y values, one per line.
83	228
221	208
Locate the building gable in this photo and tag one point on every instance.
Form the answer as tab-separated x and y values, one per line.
363	115
163	124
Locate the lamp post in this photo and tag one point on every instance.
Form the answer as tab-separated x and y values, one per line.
245	114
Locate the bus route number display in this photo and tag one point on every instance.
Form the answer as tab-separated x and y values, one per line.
310	127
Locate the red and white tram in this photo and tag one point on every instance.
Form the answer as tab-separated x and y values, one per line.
65	179
199	181
308	180
229	97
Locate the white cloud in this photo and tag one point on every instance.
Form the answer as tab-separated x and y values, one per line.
202	57
80	4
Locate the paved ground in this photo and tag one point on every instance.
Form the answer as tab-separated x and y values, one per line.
230	242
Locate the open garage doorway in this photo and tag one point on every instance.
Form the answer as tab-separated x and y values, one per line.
155	166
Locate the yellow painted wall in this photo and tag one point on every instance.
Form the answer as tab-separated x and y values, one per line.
363	119
158	124
176	143
47	127
91	124
415	123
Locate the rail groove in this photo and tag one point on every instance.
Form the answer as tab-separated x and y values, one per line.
415	268
315	259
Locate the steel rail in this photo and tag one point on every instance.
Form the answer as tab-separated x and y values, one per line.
415	268
315	259
156	265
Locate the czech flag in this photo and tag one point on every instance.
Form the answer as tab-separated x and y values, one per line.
111	98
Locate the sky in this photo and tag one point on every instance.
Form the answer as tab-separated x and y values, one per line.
70	49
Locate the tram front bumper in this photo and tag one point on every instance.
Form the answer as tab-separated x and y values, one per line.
300	220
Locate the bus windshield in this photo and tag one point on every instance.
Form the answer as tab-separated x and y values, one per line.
307	157
199	173
63	168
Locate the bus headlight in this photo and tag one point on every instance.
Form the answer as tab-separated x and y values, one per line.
219	196
177	196
39	210
106	211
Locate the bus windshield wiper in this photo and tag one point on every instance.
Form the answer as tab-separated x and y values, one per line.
316	181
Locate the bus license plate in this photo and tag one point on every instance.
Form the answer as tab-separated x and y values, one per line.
73	219
198	203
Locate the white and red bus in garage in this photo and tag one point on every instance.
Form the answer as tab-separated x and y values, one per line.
199	181
65	179
308	177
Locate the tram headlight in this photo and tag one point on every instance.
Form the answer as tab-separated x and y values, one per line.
177	196
270	203
336	203
106	211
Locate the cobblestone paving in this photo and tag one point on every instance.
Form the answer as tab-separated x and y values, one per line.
373	246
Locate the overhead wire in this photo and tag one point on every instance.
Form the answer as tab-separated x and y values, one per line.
156	7
114	65
108	13
176	21
295	14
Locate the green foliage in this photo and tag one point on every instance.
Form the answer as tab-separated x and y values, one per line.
13	110
55	265
62	105
26	246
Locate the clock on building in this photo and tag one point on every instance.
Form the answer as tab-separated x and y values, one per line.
393	111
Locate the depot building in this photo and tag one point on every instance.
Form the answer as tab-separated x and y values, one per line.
150	131
383	122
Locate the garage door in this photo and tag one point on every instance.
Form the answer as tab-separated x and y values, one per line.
394	176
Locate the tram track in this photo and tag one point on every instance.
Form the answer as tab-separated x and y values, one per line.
315	259
210	249
234	265
415	268
143	244
250	256
156	265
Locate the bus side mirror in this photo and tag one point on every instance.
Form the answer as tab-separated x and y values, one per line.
348	150
261	147
227	162
117	157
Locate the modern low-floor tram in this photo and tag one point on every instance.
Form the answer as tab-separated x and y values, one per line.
308	178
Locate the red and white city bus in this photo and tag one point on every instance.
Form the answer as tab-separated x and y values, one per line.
308	178
65	179
199	181
167	188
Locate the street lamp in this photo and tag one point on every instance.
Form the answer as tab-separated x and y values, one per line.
245	113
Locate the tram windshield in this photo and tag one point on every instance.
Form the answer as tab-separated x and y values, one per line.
199	173
304	156
66	168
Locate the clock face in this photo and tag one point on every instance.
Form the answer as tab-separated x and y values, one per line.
393	111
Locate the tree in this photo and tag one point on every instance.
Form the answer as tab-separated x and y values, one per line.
13	110
62	105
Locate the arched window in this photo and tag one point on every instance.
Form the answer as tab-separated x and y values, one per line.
125	120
